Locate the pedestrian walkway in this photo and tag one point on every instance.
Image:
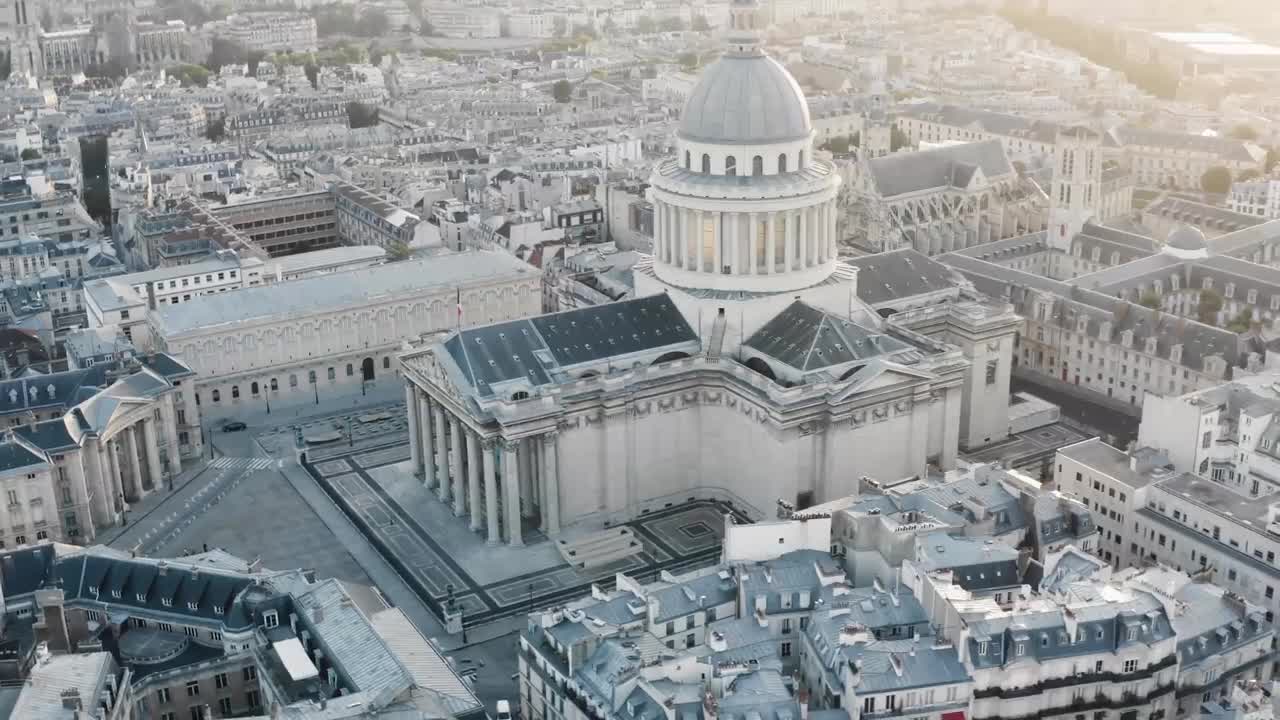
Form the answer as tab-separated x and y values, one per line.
242	463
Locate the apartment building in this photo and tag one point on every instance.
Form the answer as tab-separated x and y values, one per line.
270	32
1110	482
1260	198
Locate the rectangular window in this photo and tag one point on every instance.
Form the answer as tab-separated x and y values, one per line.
250	673
220	681
193	688
224	706
162	696
1130	666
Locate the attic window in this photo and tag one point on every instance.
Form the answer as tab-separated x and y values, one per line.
217	610
141	597
115	593
193	606
167	602
270	619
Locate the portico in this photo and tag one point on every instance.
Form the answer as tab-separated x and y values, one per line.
498	482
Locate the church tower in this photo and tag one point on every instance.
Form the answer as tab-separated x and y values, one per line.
1076	191
24	48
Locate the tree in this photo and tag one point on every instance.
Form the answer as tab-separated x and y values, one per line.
1150	299
225	52
190	75
646	25
217	129
688	60
838	145
30	154
562	91
898	139
559	26
373	23
360	115
1242	322
1209	306
700	23
398	251
1216	180
1244	132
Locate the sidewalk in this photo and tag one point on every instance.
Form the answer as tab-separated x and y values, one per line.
148	513
396	590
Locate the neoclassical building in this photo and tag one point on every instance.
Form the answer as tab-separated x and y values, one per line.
747	369
82	445
315	338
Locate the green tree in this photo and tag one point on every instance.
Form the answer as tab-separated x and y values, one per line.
562	91
838	145
700	23
217	129
398	251
1209	306
30	154
646	25
190	75
898	139
373	24
1242	322
1150	299
688	60
1216	180
360	115
1244	132
559	26
225	52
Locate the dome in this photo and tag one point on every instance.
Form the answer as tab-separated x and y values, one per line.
746	100
1185	237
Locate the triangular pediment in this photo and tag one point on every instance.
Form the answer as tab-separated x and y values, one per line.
880	374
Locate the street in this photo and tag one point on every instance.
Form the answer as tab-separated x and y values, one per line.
1115	427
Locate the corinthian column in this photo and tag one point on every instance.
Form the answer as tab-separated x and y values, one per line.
511	490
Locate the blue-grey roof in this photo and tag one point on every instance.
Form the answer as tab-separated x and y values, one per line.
1186	237
888	276
808	339
978	564
14	456
746	100
537	350
950	166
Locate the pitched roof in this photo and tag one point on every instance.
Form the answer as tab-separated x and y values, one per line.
950	166
808	339
888	276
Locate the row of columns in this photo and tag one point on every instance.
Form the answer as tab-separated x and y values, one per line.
120	465
495	481
793	239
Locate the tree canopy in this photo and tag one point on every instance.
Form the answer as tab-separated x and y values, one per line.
1207	309
360	115
1150	299
562	91
190	75
1244	132
1217	180
30	154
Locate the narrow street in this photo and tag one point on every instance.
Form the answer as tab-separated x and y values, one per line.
1115	427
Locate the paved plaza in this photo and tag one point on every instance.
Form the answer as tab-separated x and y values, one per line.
437	551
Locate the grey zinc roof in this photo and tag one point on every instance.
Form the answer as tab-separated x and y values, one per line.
1201	215
14	456
992	122
808	339
49	435
950	166
351	641
746	100
535	349
1225	148
433	676
41	697
325	293
884	277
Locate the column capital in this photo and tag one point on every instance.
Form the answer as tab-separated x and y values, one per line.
509	445
489	443
549	436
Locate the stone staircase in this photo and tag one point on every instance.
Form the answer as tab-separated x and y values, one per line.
601	548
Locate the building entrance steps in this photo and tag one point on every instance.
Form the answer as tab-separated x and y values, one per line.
600	548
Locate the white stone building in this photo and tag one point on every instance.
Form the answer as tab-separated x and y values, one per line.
1260	198
270	32
293	342
747	368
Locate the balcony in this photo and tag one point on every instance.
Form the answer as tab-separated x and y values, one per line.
1099	702
1077	679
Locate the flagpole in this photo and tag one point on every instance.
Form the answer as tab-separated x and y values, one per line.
459	309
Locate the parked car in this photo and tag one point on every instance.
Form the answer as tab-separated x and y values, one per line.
504	710
233	426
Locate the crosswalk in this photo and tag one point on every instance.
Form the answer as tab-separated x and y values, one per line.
240	463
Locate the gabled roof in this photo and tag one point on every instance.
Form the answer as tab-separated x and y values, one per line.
950	166
899	274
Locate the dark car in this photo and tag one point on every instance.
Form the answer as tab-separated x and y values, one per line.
233	426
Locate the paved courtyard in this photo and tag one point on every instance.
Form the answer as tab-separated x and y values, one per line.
372	481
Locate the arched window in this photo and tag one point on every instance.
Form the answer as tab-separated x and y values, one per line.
217	396
757	165
351	370
386	363
688	164
253	388
333	374
706	164
520	395
293	380
274	385
782	163
731	165
235	392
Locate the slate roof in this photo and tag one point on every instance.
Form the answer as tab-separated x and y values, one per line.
747	100
14	456
888	276
950	166
808	339
1201	215
985	120
536	350
351	642
977	564
1224	147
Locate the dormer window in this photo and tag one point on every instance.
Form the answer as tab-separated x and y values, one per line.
116	594
193	606
167	602
141	597
217	610
270	619
1133	633
982	648
1020	649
